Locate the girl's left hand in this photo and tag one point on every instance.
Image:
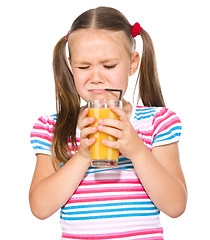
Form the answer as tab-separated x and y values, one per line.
128	143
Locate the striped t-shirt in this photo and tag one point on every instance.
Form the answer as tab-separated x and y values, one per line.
111	203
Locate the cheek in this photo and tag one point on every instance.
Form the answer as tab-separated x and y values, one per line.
120	83
78	83
123	76
78	78
80	87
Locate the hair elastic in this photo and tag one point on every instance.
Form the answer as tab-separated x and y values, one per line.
136	29
67	35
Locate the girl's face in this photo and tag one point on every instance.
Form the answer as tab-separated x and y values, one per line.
100	60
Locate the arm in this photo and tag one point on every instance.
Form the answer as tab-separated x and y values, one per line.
161	175
51	189
159	170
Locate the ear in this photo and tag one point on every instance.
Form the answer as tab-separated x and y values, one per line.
135	59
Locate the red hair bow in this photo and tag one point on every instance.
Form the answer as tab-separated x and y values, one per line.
136	29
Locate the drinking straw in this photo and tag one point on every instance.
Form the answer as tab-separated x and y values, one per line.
115	90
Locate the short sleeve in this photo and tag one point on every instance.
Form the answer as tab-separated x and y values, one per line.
166	127
42	134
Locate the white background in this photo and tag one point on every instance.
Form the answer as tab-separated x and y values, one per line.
29	31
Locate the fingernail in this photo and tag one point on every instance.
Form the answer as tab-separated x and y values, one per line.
100	127
100	121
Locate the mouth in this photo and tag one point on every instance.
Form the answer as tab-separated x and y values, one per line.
98	91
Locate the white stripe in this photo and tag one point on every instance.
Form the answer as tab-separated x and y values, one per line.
110	225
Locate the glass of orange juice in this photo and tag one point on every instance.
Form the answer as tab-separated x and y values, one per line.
101	155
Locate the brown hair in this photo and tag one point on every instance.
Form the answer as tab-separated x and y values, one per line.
67	97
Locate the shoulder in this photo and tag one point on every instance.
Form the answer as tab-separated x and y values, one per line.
162	124
42	133
165	117
45	122
154	113
49	120
167	127
44	125
142	112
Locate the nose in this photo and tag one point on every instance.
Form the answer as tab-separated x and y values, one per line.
96	76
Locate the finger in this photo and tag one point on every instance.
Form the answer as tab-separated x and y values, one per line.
111	123
86	143
111	131
87	121
87	131
84	113
122	115
110	144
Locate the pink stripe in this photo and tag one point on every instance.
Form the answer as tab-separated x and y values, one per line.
147	141
107	198
141	106
142	136
163	119
161	113
144	133
114	189
72	150
170	123
118	235
110	181
77	140
167	125
41	135
160	120
47	121
43	127
157	115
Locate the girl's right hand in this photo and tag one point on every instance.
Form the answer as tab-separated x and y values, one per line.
85	142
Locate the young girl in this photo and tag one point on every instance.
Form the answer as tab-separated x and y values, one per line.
123	202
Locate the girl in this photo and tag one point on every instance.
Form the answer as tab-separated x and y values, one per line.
123	202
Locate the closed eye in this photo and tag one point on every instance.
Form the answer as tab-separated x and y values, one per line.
85	67
109	66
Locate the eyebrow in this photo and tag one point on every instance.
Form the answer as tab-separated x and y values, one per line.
109	60
102	61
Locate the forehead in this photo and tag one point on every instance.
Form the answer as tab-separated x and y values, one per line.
97	38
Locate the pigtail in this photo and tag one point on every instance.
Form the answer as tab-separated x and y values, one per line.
149	85
67	104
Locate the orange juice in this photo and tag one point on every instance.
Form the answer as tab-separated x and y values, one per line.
98	151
